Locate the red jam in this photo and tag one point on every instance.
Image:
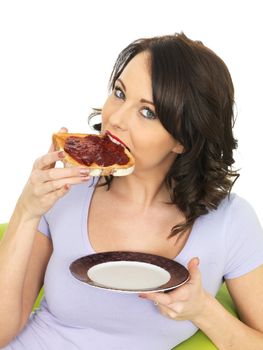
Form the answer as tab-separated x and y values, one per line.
94	149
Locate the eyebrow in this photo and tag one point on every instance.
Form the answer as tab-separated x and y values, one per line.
124	88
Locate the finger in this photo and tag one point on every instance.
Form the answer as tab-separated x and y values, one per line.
157	298
52	197
59	173
192	266
48	159
53	186
167	311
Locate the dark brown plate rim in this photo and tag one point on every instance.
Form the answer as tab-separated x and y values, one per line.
179	274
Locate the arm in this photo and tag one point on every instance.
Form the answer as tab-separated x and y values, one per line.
191	302
34	279
246	333
22	251
15	250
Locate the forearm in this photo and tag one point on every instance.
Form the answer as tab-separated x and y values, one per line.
15	250
226	331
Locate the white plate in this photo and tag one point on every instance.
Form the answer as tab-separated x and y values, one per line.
129	272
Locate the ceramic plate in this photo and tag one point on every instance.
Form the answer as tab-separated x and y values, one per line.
129	272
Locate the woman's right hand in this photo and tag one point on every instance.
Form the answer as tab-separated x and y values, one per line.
47	184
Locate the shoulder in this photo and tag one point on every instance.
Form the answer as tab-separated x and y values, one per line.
233	202
237	217
232	207
243	239
234	220
237	203
240	210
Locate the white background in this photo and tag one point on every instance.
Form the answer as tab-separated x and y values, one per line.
56	57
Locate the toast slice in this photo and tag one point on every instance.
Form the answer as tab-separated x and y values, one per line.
102	154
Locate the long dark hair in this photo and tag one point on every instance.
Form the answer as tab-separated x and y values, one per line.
193	96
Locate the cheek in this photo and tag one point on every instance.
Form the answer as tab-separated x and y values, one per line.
152	148
109	107
105	113
147	146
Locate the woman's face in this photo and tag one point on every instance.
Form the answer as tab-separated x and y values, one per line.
129	114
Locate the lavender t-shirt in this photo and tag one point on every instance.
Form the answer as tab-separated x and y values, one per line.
74	315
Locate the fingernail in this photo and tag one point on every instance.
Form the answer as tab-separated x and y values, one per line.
142	296
61	154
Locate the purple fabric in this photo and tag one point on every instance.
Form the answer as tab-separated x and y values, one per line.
73	315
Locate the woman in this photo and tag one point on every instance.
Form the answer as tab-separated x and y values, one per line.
171	102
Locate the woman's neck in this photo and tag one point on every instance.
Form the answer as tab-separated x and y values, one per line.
143	191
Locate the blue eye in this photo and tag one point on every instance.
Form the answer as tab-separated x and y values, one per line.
118	93
148	113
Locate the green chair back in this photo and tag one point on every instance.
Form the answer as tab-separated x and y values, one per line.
2	230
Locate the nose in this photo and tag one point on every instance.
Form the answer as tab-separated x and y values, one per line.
118	119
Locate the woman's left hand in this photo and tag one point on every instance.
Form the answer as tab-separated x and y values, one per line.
186	302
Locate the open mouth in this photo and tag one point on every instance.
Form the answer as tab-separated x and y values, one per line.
116	140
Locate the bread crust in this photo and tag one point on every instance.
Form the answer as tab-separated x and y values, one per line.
59	140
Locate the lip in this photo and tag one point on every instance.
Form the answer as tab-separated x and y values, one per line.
116	138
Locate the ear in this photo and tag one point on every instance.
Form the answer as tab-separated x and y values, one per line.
178	148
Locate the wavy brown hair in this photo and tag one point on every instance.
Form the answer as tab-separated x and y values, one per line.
193	96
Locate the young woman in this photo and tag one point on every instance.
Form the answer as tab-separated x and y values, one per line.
171	102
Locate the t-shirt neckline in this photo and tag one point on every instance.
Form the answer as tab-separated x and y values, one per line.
181	257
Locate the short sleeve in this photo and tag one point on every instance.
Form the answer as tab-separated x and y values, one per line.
43	227
244	240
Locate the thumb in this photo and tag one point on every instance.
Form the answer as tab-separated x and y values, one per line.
52	147
193	269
